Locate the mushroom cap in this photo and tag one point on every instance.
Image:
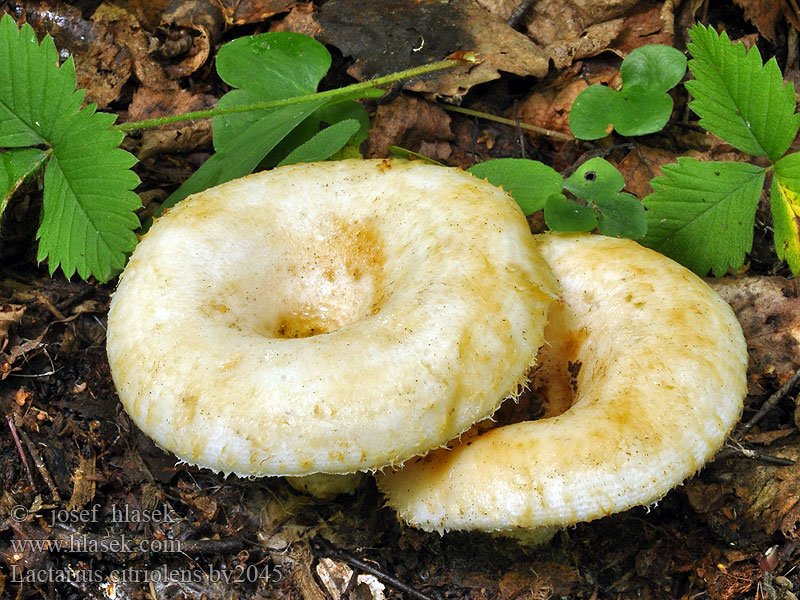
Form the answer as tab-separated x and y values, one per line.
661	382
328	317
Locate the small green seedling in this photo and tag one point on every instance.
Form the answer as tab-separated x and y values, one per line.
642	106
595	185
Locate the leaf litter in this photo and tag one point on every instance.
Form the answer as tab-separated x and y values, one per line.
80	447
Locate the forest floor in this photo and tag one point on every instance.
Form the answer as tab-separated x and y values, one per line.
72	462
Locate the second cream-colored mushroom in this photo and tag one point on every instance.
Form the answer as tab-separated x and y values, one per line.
649	364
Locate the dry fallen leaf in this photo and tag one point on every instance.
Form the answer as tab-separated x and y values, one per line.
391	35
768	309
572	29
641	165
410	123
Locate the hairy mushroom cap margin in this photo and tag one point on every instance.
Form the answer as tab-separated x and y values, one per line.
661	381
327	318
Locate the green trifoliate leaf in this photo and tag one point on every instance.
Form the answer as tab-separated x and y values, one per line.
738	98
15	167
566	214
87	220
785	206
324	144
641	106
529	182
598	183
701	214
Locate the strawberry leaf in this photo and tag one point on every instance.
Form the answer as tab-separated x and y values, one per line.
15	167
785	207
88	220
701	214
738	98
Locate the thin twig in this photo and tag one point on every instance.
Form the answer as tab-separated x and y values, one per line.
737	450
489	117
351	560
37	460
12	426
771	403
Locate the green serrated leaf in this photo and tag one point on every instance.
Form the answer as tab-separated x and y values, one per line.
701	214
788	169
87	218
529	182
324	144
35	92
15	167
738	98
785	208
565	214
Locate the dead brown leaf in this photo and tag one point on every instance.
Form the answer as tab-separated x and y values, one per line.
764	14
300	19
643	26
385	36
241	12
641	165
410	123
9	315
573	29
768	309
205	19
754	499
108	48
179	137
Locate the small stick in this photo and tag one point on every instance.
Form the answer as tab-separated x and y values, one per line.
489	117
729	451
367	568
13	428
771	403
37	460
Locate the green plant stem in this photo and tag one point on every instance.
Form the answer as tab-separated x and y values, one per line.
350	89
489	117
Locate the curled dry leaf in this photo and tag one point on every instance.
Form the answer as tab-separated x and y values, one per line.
107	49
9	314
576	28
206	20
242	12
391	35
